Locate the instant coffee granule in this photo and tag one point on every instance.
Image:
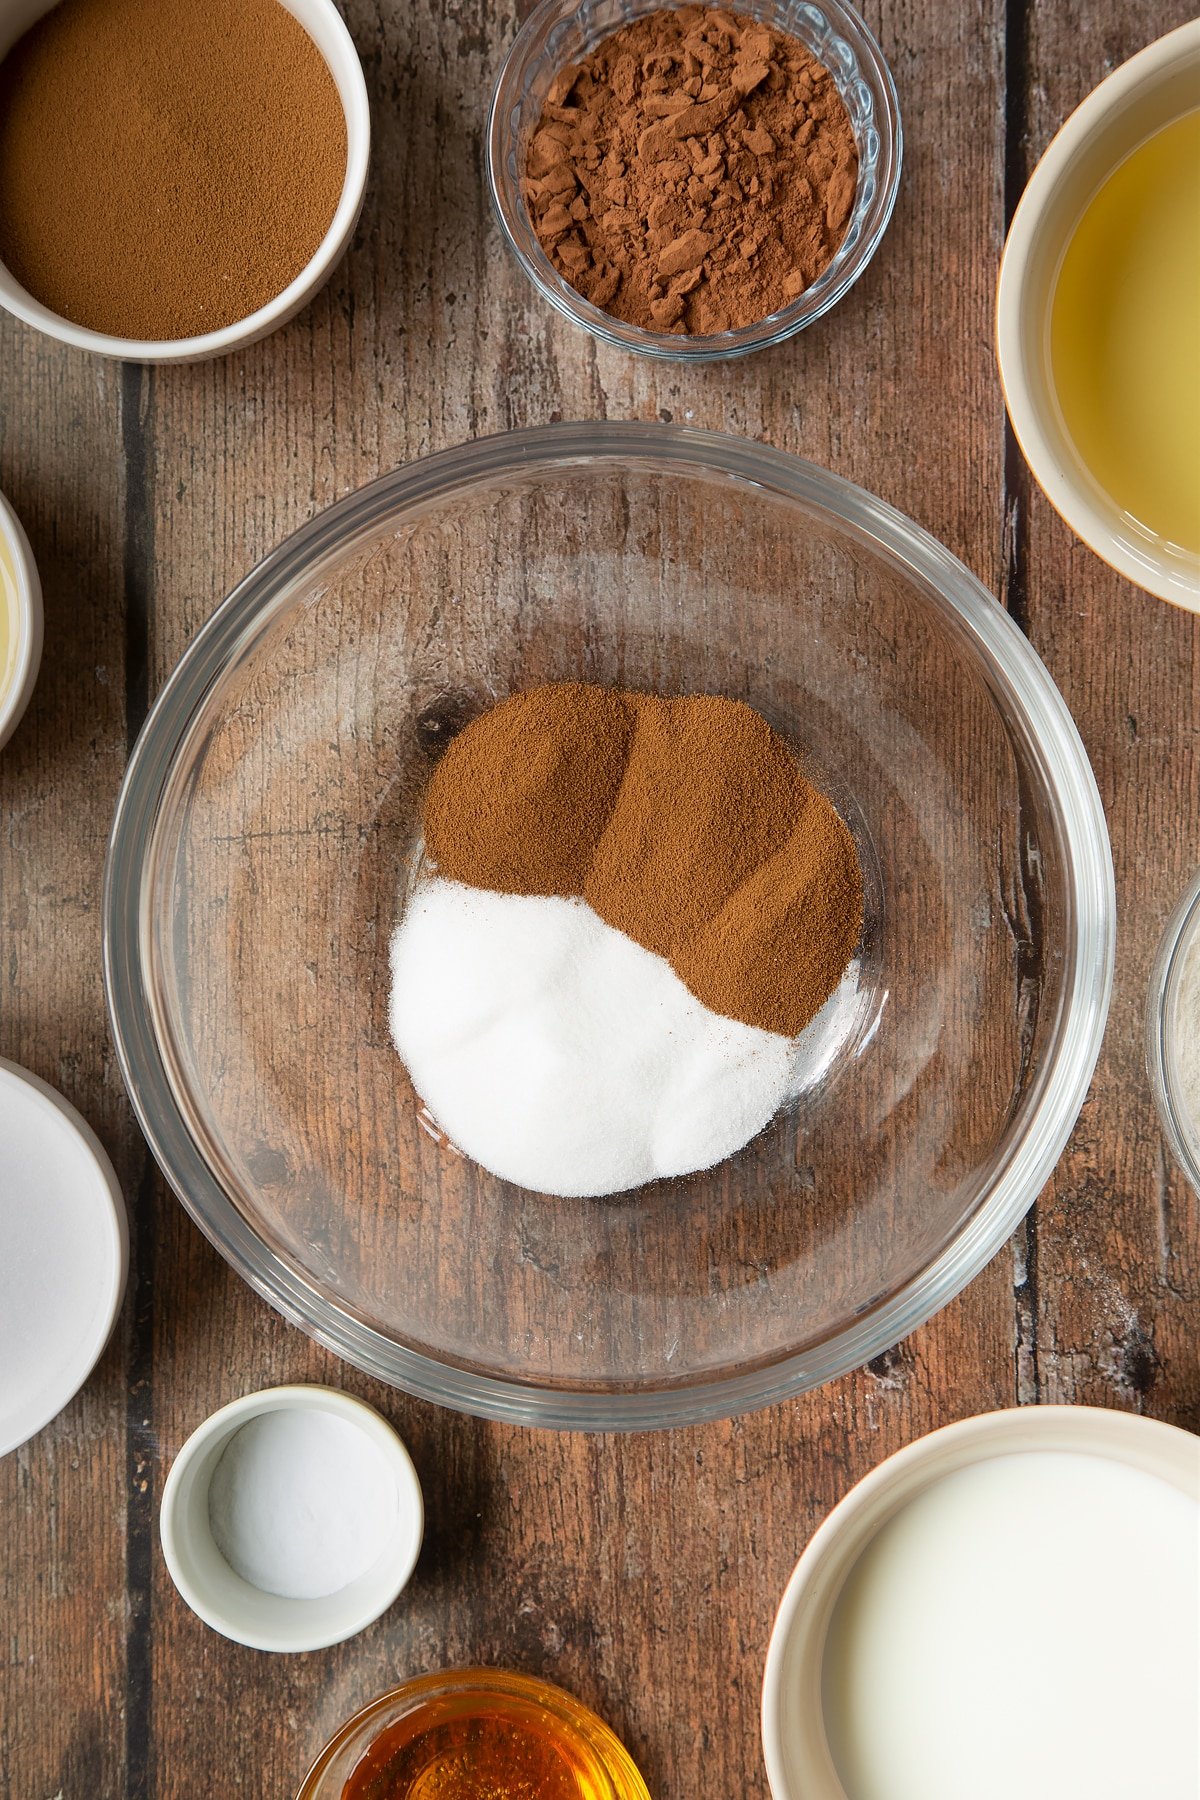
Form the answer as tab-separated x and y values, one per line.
684	823
695	173
166	166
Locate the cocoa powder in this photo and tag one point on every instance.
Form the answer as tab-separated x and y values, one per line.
695	173
685	823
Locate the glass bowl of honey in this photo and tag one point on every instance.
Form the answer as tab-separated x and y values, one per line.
474	1734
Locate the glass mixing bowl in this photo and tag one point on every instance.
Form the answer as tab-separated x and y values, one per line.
1172	1025
270	820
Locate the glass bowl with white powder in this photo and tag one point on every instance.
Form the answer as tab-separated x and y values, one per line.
1173	1031
271	823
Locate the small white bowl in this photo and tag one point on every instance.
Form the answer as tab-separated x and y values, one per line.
1150	91
800	1765
233	1606
324	25
21	605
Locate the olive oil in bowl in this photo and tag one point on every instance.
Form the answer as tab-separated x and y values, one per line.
1125	336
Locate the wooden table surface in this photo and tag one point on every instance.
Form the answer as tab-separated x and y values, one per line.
642	1572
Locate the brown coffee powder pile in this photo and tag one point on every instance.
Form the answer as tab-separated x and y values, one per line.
694	174
684	823
166	166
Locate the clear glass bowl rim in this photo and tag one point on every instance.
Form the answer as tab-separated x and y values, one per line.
778	327
1179	934
1013	669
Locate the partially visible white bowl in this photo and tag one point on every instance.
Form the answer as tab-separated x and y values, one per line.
324	25
21	600
235	1607
1151	90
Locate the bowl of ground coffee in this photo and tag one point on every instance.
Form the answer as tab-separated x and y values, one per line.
694	182
176	180
689	730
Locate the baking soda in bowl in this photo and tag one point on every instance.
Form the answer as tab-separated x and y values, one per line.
1030	1625
301	1503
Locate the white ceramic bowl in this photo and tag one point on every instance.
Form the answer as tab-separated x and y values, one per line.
800	1765
64	1253
21	608
236	1608
1152	89
324	25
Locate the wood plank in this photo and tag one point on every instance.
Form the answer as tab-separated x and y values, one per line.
63	1496
1116	1247
642	1572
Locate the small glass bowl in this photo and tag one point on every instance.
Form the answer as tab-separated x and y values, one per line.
560	32
603	1767
1178	959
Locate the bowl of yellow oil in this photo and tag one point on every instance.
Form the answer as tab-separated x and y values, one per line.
20	621
1098	319
474	1734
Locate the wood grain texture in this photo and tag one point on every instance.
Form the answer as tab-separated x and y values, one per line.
1114	1244
642	1573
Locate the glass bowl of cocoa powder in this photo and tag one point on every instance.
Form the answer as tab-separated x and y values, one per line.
694	183
275	809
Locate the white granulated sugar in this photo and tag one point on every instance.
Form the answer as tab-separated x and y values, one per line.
562	1056
301	1503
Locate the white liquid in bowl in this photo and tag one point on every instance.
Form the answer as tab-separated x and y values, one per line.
1028	1625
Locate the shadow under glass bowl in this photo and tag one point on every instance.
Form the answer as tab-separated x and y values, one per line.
1173	1016
560	32
269	823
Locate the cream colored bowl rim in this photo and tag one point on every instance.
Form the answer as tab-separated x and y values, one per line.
1063	491
15	692
800	1625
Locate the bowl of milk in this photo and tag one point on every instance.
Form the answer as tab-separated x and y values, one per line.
1097	319
1009	1605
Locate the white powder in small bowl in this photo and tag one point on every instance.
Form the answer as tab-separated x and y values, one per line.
301	1503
